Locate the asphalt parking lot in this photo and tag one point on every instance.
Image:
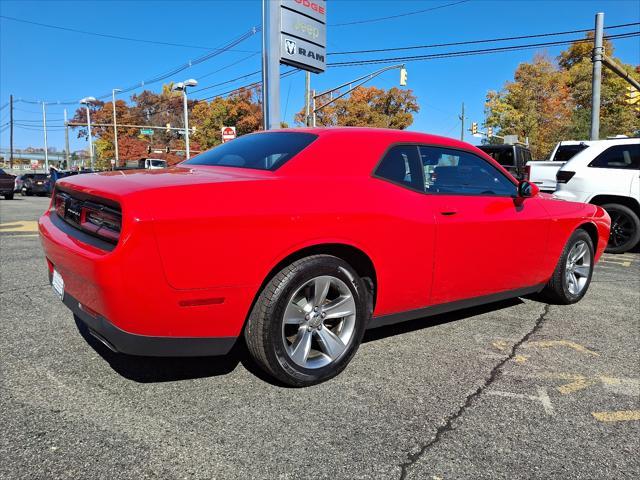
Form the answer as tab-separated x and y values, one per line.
517	389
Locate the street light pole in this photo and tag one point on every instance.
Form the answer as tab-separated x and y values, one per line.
186	123
115	128
86	101
182	86
44	126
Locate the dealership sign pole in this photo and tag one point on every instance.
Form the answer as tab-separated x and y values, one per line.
294	33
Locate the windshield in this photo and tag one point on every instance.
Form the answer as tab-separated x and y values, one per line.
157	163
567	152
504	156
263	151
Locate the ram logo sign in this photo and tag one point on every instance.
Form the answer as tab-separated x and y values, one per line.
291	47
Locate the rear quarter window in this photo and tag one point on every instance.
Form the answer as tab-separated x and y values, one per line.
625	157
262	151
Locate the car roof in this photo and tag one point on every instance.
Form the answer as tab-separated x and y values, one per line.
375	141
596	147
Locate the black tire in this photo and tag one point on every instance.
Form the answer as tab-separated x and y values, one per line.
8	196
264	329
625	228
26	193
557	290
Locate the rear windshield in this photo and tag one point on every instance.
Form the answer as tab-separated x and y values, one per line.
567	152
504	156
262	151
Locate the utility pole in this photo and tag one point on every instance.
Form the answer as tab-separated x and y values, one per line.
462	123
115	128
270	64
598	53
307	98
313	109
46	148
11	131
66	139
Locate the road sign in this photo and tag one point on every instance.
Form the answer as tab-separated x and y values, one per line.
146	131
303	34
113	161
228	133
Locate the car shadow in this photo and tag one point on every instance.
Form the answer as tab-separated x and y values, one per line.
170	369
435	320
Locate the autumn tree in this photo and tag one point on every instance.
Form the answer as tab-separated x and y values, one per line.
367	107
616	117
241	110
550	100
536	105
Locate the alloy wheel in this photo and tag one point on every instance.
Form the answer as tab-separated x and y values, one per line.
578	267
319	322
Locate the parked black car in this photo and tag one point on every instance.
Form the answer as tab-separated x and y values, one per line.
7	183
34	184
512	157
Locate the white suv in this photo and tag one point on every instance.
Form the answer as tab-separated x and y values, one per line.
607	173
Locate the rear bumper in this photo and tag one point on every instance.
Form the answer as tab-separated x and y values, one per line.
120	341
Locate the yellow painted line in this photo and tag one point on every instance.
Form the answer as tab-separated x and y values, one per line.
619	416
499	345
624	264
520	358
25	226
564	343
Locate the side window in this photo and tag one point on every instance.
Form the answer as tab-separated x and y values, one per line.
456	172
401	165
619	156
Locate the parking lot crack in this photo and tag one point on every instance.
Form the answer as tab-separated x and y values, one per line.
494	374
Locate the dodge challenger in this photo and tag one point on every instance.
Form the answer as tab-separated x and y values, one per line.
301	239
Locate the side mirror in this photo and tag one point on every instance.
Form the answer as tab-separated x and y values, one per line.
527	189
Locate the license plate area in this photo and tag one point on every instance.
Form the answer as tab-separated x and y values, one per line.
57	283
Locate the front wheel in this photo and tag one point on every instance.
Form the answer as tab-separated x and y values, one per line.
308	321
8	196
572	276
625	228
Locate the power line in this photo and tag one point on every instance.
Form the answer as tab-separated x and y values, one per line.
465	53
471	42
391	17
167	74
200	77
109	35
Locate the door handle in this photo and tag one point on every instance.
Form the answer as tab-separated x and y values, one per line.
448	213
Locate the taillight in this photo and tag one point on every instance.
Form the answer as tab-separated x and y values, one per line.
527	172
58	204
101	222
564	176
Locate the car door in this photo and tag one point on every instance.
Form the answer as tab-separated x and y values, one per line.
488	240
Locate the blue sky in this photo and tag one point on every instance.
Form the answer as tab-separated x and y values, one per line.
54	65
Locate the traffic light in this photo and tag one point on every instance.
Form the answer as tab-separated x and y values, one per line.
489	132
148	148
632	96
474	128
403	77
168	149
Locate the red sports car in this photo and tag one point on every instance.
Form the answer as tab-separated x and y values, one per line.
302	239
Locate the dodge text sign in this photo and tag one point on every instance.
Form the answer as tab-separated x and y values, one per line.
303	36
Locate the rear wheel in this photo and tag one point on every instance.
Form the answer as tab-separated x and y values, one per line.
572	276
308	321
625	228
8	196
